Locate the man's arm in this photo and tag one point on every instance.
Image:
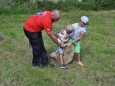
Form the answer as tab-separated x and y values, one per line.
53	35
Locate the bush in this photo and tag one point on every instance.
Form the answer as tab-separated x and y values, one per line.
24	6
19	1
17	8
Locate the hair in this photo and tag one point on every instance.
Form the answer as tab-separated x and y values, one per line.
69	27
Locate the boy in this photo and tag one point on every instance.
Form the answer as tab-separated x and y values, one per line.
79	30
63	38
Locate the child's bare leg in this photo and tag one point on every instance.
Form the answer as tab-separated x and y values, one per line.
61	59
62	65
79	60
78	57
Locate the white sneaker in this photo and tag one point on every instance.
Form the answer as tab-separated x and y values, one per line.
62	66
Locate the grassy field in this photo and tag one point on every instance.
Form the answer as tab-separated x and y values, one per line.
97	52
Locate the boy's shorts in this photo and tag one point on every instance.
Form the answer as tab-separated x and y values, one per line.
76	46
60	49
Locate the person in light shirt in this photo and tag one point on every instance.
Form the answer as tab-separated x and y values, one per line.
77	34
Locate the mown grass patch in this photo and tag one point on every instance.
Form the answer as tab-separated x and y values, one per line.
97	53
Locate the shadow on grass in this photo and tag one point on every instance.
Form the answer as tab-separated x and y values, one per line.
1	38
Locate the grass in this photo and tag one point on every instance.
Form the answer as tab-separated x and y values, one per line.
97	52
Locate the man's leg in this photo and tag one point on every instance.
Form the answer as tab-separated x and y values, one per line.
44	56
36	43
35	40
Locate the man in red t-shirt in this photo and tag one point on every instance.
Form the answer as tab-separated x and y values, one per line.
33	27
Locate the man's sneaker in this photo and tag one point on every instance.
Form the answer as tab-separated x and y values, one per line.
47	65
63	66
36	65
43	66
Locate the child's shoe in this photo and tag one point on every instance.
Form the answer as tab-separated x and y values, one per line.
63	66
66	65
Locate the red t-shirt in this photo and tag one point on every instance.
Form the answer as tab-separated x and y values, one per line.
39	21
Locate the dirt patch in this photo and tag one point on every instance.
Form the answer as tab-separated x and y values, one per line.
1	38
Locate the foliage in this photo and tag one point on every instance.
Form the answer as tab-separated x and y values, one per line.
19	1
74	4
17	8
24	6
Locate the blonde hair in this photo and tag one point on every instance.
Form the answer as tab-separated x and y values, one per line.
69	27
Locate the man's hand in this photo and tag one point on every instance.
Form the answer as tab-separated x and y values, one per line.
53	36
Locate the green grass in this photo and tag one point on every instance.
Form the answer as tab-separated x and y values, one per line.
97	53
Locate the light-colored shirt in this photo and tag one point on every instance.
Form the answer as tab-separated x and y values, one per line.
77	31
63	36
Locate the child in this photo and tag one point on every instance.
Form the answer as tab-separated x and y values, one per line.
63	38
79	30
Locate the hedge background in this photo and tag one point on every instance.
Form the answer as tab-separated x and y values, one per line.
32	6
